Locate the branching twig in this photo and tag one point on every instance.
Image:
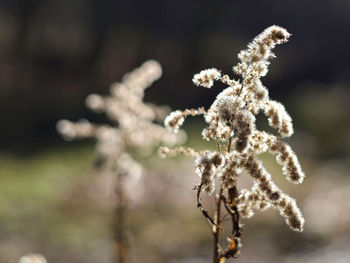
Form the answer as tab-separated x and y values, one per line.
232	249
204	212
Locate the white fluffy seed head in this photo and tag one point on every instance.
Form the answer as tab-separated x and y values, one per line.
174	120
206	77
66	129
95	102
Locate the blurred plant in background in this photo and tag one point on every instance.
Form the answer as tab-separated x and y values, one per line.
32	258
133	132
231	124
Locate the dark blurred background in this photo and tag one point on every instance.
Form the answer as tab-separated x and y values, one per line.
54	53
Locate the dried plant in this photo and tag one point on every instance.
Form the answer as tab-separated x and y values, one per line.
231	124
134	129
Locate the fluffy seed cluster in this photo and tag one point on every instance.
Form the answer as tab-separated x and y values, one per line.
231	125
134	123
175	119
279	118
206	78
206	164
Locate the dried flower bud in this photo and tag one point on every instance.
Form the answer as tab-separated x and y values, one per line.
176	118
279	118
95	102
216	159
80	129
289	161
166	152
205	169
206	78
290	212
254	59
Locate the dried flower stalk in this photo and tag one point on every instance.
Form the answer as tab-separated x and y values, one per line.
134	128
231	124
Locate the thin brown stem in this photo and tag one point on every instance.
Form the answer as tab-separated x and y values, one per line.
229	140
204	212
240	90
218	145
243	78
229	144
232	249
233	211
218	226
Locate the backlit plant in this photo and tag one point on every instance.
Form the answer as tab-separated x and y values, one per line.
231	125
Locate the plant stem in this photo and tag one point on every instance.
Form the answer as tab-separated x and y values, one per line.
119	223
217	228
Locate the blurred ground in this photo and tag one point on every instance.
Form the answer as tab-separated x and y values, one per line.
54	203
